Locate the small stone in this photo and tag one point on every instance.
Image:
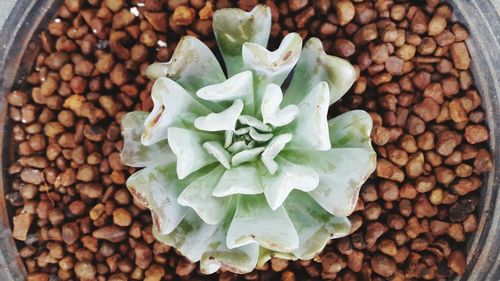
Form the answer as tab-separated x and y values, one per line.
387	170
296	5
122	217
345	11
383	265
456	262
278	264
419	23
183	15
70	233
154	273
38	277
90	190
184	268
365	34
476	134
428	109
332	264
394	65
436	25
115	5
111	233
373	231
85	270
460	55
157	20
344	48
303	17
22	223
96	211
33	176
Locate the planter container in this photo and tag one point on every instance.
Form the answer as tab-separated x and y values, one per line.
20	45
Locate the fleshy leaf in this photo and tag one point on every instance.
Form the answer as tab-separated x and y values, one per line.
274	147
270	109
158	187
310	130
216	149
134	153
314	225
254	122
234	27
240	86
255	222
239	260
222	121
271	67
315	66
228	138
187	147
198	196
340	176
256	136
243	179
246	156
190	237
173	106
237	147
266	254
290	176
351	129
193	65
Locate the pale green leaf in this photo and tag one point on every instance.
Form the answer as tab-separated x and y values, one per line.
314	225
275	146
315	66
239	260
237	147
157	187
255	222
193	66
270	109
234	27
221	121
187	147
173	106
239	86
216	149
243	179
271	67
228	138
191	237
310	128
254	122
198	196
290	176
351	130
256	136
134	153
341	172
246	156
266	254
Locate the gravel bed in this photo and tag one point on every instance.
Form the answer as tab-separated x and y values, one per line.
74	219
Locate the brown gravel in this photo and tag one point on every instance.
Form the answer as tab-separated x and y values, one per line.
74	219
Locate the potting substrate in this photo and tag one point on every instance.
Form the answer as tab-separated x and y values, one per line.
73	217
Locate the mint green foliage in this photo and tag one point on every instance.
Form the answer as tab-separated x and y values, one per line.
234	171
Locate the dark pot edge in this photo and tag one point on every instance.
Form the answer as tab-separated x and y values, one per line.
484	45
16	55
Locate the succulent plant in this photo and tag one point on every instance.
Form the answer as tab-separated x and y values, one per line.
235	171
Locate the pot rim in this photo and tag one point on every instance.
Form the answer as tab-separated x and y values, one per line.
18	53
